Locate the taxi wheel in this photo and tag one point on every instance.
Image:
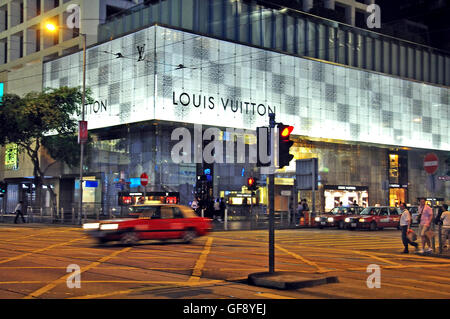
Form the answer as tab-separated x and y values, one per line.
373	226
189	235
129	238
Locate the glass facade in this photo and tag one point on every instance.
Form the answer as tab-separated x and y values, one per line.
125	152
164	79
176	76
288	31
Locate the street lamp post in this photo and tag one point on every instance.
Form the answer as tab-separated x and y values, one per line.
53	28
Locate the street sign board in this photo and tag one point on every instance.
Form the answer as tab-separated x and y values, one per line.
144	179
431	163
304	173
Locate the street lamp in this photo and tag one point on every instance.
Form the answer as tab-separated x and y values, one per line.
53	28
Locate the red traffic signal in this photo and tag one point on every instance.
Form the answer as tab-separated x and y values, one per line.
286	131
251	184
284	144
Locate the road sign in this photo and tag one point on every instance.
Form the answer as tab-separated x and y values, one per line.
431	163
144	179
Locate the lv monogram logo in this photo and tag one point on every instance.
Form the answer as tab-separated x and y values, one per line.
141	51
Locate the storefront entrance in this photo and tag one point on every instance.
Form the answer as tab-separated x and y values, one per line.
397	195
345	196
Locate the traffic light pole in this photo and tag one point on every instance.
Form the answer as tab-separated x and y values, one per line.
272	198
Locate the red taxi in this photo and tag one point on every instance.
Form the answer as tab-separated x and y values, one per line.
336	217
147	222
374	218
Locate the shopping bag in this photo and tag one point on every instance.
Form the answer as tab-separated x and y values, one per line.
412	236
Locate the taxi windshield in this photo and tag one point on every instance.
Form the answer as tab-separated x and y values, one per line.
336	211
141	211
368	211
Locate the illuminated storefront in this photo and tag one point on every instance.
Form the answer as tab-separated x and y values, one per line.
370	131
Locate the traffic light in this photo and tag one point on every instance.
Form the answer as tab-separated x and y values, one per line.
251	184
284	144
2	187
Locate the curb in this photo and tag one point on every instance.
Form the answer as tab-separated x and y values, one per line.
274	280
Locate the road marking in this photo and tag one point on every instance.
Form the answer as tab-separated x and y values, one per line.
103	268
163	285
404	287
272	296
34	235
62	279
201	261
38	251
401	267
306	261
423	283
377	258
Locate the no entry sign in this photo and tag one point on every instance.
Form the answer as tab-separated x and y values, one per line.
144	179
431	163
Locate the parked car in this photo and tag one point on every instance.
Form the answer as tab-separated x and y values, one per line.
336	217
374	218
144	222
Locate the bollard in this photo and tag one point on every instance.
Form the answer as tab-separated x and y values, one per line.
110	213
203	213
42	214
62	215
225	219
73	215
98	214
440	238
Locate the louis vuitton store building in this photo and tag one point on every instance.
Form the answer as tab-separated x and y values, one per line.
370	131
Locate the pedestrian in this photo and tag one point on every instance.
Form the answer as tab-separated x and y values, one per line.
194	204
300	210
305	205
18	211
355	204
223	206
426	216
217	209
445	218
405	225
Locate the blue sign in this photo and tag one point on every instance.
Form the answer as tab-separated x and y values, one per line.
92	184
207	171
135	182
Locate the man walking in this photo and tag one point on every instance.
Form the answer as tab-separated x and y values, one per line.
445	217
426	215
405	224
18	211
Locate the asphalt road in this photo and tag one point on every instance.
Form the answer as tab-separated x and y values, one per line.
34	261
